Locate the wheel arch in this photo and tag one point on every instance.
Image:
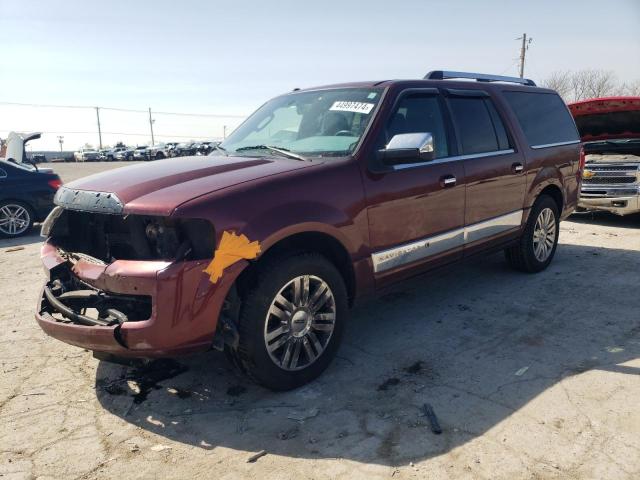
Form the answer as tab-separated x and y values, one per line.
308	240
554	192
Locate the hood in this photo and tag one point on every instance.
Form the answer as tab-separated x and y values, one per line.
607	118
158	188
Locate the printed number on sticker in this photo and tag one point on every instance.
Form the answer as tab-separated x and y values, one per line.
356	107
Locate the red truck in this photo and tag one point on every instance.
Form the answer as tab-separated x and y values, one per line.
321	197
610	130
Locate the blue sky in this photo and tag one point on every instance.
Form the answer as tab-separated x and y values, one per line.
228	57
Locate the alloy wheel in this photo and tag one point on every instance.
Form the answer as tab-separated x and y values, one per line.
14	219
544	234
300	322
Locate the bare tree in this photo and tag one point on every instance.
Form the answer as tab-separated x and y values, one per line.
560	82
631	89
589	83
600	83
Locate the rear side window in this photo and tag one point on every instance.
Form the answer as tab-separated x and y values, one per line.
544	118
478	125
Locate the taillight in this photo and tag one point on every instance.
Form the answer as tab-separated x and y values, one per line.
582	160
55	183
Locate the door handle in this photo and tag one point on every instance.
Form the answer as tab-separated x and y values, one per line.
447	181
517	167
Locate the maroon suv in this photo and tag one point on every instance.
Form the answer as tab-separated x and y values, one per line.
322	196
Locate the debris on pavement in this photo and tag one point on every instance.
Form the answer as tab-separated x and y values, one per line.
288	434
160	448
14	249
302	415
256	456
433	420
389	382
414	368
133	446
522	371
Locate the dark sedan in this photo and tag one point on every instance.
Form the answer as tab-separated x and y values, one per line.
185	149
26	196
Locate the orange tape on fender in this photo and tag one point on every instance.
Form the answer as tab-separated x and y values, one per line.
232	249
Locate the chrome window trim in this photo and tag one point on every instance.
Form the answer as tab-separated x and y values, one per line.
426	247
404	166
557	144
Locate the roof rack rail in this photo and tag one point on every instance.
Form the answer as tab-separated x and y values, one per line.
480	77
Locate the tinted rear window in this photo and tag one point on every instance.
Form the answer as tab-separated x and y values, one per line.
544	117
474	125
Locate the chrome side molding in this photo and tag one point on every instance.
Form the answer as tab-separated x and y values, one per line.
427	247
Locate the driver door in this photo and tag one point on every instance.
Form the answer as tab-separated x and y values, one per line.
416	208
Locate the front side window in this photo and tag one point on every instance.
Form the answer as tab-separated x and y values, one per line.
319	123
419	113
544	118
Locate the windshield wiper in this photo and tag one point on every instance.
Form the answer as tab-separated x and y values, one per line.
279	150
222	149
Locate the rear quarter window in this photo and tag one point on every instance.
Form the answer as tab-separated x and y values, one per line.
544	118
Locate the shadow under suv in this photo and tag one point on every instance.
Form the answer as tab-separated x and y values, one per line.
321	197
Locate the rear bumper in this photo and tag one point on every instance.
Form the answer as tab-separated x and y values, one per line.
185	305
621	201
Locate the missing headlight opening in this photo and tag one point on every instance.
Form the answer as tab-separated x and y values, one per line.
108	237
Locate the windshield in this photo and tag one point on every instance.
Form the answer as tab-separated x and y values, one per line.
324	123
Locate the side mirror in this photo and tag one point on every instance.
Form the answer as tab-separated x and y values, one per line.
407	148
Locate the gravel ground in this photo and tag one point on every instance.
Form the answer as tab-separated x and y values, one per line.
530	376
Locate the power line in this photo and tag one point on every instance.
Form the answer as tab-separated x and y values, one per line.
211	115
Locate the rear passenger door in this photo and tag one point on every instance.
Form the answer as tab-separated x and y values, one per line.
494	170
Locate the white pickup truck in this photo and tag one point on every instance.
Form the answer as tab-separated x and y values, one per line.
610	131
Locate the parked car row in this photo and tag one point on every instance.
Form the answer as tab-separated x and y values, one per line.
123	153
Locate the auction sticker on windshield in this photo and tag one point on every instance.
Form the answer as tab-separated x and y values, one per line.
355	107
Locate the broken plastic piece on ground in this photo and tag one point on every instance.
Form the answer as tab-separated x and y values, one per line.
522	371
256	456
433	420
232	249
302	415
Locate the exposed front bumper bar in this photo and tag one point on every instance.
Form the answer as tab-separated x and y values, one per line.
618	200
182	317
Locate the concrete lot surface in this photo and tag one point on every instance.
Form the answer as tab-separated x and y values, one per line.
530	376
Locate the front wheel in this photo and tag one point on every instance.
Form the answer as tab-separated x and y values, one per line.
291	321
538	243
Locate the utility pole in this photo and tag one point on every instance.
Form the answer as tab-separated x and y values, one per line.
99	129
153	141
523	50
224	132
60	141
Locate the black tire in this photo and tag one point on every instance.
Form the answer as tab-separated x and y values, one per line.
29	213
252	354
522	256
159	156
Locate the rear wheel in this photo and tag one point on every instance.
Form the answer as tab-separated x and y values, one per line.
291	321
538	243
16	218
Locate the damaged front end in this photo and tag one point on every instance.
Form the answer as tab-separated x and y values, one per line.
128	284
